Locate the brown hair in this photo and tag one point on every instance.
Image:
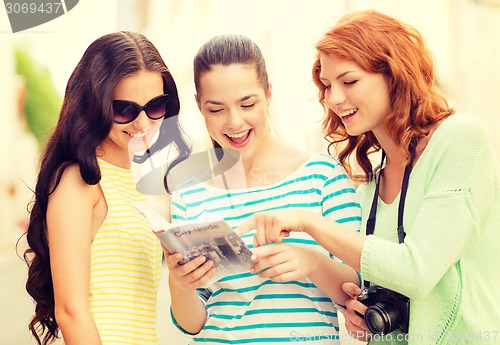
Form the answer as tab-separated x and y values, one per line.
227	50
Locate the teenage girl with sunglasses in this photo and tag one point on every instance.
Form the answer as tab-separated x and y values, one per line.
94	263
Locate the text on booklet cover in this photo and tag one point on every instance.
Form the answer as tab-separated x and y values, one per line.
215	240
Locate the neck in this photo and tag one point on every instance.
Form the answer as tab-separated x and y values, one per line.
269	164
394	156
263	154
120	161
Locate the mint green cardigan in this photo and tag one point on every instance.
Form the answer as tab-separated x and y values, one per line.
449	264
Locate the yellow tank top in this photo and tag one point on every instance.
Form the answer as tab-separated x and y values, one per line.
125	265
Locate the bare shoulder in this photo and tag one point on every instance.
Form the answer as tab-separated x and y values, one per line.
72	185
72	177
75	201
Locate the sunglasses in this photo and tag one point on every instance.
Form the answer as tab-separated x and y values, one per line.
128	111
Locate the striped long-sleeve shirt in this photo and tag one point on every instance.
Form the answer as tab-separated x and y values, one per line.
246	309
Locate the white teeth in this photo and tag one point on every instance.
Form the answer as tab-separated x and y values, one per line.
238	135
347	112
138	134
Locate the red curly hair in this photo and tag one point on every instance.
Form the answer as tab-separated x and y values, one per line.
382	44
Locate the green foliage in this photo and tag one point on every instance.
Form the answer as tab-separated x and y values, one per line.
43	102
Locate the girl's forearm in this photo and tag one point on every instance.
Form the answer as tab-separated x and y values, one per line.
189	311
329	275
343	242
77	328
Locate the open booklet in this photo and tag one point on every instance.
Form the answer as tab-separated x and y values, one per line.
215	240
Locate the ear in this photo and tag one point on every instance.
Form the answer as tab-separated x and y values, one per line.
197	99
269	94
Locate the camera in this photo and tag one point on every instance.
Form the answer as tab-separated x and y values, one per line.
387	310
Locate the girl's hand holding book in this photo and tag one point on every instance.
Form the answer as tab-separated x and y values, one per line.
190	275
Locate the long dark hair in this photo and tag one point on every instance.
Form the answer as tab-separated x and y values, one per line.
384	45
85	121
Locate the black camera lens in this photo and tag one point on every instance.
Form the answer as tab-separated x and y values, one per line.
382	318
375	321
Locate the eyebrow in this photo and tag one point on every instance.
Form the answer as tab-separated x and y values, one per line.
338	77
242	99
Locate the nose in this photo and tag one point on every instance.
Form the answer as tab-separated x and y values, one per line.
335	97
142	121
235	119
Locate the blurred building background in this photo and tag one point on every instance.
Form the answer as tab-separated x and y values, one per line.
464	36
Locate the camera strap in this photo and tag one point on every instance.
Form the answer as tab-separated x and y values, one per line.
370	223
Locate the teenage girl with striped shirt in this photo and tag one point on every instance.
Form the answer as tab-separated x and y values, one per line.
291	296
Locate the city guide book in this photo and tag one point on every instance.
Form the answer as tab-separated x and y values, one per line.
214	239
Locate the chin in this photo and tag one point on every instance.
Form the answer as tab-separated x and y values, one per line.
353	133
137	146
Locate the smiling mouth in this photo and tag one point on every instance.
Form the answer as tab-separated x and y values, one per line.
238	138
346	115
137	135
348	112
